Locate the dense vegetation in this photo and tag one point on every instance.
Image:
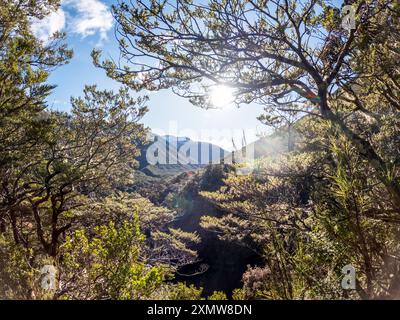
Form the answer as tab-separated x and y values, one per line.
70	196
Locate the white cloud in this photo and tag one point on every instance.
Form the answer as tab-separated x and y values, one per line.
83	17
45	28
90	17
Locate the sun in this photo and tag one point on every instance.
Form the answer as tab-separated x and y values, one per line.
221	96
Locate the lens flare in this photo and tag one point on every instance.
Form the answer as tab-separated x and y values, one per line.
221	96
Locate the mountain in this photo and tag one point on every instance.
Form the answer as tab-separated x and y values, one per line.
171	155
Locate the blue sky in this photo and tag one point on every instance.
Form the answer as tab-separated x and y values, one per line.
89	24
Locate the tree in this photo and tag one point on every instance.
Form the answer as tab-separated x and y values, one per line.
163	244
276	52
107	265
308	215
267	213
25	63
82	156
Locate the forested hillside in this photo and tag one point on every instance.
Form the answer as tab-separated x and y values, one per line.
83	216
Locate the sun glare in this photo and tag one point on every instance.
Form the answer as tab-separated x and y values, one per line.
221	96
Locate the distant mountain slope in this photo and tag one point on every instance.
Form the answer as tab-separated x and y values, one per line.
170	155
198	155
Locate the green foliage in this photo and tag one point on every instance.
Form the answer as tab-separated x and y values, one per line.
107	265
15	272
90	151
212	178
25	63
311	215
238	294
164	244
217	295
332	201
181	291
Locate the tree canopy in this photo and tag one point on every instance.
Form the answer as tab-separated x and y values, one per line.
287	55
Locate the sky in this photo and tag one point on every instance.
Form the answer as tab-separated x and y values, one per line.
89	24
